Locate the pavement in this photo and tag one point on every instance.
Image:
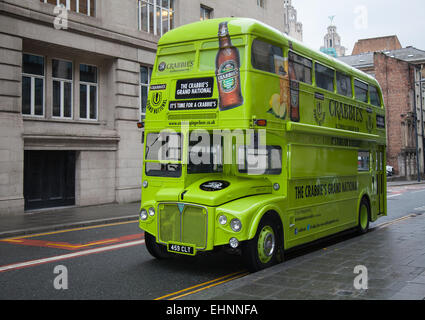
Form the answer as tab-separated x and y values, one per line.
64	218
391	257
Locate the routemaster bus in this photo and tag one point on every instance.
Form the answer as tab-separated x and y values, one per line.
255	142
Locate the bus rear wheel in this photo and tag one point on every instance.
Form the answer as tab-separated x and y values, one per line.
155	249
364	216
261	252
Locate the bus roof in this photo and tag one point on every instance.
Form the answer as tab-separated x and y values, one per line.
207	29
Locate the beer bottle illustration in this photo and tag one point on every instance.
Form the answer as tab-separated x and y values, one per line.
227	71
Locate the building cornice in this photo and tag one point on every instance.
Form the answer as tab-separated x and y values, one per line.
40	13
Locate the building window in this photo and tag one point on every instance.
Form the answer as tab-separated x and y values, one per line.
156	16
145	77
261	3
32	85
87	7
206	13
62	88
88	92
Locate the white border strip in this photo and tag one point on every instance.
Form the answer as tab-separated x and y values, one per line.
69	256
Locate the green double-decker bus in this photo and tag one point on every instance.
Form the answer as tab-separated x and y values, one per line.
255	142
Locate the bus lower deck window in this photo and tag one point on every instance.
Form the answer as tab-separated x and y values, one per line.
260	161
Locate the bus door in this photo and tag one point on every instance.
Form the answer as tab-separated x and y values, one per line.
381	179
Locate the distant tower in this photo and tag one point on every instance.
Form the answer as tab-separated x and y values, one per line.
332	42
291	26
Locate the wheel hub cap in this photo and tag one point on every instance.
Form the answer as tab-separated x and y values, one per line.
266	244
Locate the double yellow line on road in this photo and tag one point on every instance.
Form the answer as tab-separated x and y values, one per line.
386	224
203	286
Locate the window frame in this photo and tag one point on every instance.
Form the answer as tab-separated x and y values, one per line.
147	85
156	7
254	65
62	91
68	6
291	60
32	88
316	73
377	94
206	11
351	84
369	165
355	91
267	171
88	87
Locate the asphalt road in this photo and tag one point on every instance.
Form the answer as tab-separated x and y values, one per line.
111	261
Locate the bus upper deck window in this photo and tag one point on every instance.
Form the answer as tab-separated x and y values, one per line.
263	55
374	96
343	83
361	90
300	68
324	77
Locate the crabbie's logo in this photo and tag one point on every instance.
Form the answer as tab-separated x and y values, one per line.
319	114
175	66
156	104
214	185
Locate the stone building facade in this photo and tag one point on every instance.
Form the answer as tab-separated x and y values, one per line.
73	85
291	25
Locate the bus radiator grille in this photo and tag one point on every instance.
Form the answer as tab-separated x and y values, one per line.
188	226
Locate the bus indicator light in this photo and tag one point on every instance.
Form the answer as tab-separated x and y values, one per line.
261	123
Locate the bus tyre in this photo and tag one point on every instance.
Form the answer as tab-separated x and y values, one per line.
155	249
364	217
261	251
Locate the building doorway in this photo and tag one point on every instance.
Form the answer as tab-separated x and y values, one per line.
49	179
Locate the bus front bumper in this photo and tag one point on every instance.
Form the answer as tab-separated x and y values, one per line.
187	228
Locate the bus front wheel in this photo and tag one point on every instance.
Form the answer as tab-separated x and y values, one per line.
261	251
364	216
155	249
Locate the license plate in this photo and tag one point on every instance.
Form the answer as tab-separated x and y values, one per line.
182	249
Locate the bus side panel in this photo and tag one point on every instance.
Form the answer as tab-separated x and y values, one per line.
323	191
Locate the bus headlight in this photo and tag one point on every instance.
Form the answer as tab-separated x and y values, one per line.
234	243
151	211
236	225
143	214
222	219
